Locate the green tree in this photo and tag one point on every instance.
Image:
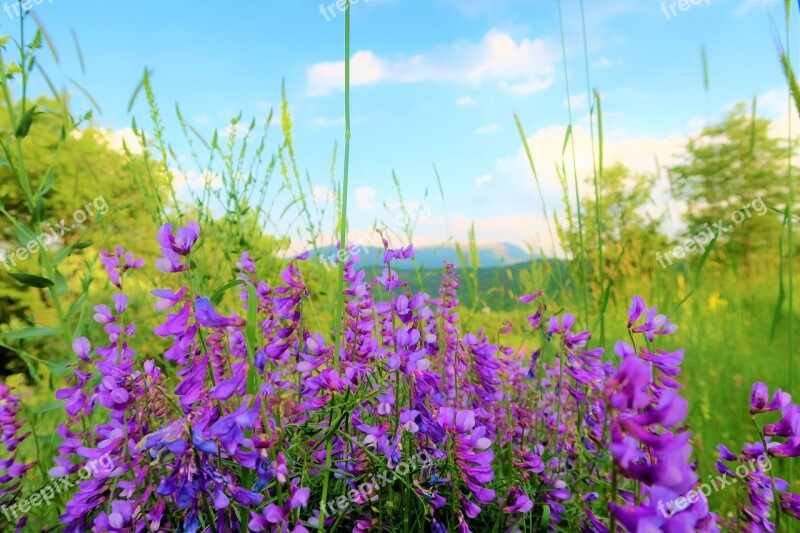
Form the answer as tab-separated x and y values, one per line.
631	225
727	167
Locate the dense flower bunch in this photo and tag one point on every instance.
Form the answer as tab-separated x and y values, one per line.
11	471
648	443
226	421
766	497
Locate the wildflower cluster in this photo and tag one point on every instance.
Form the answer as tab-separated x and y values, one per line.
767	497
226	421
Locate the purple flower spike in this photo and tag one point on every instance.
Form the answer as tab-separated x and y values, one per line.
401	253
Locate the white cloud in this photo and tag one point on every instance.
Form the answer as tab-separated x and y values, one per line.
192	179
466	101
605	62
483	179
518	229
119	139
577	101
322	194
491	128
365	198
522	67
240	129
514	181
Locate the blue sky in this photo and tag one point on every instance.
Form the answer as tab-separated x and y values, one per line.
435	81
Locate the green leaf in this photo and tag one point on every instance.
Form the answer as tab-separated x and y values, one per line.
705	68
66	252
29	333
545	517
250	337
25	123
47	38
60	284
216	297
58	367
24	235
138	90
76	305
567	136
52	406
78	50
31	280
38	213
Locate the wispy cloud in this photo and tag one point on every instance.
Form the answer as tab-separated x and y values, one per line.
486	130
365	198
466	101
483	179
605	62
520	67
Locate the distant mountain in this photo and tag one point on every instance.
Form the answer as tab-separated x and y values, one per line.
433	257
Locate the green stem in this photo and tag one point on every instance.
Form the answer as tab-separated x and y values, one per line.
342	245
574	171
775	500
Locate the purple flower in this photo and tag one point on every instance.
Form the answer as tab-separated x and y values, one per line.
118	263
171	262
760	396
82	348
636	310
168	298
402	253
207	317
182	241
789	425
629	388
246	263
102	314
176	323
531	297
522	503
